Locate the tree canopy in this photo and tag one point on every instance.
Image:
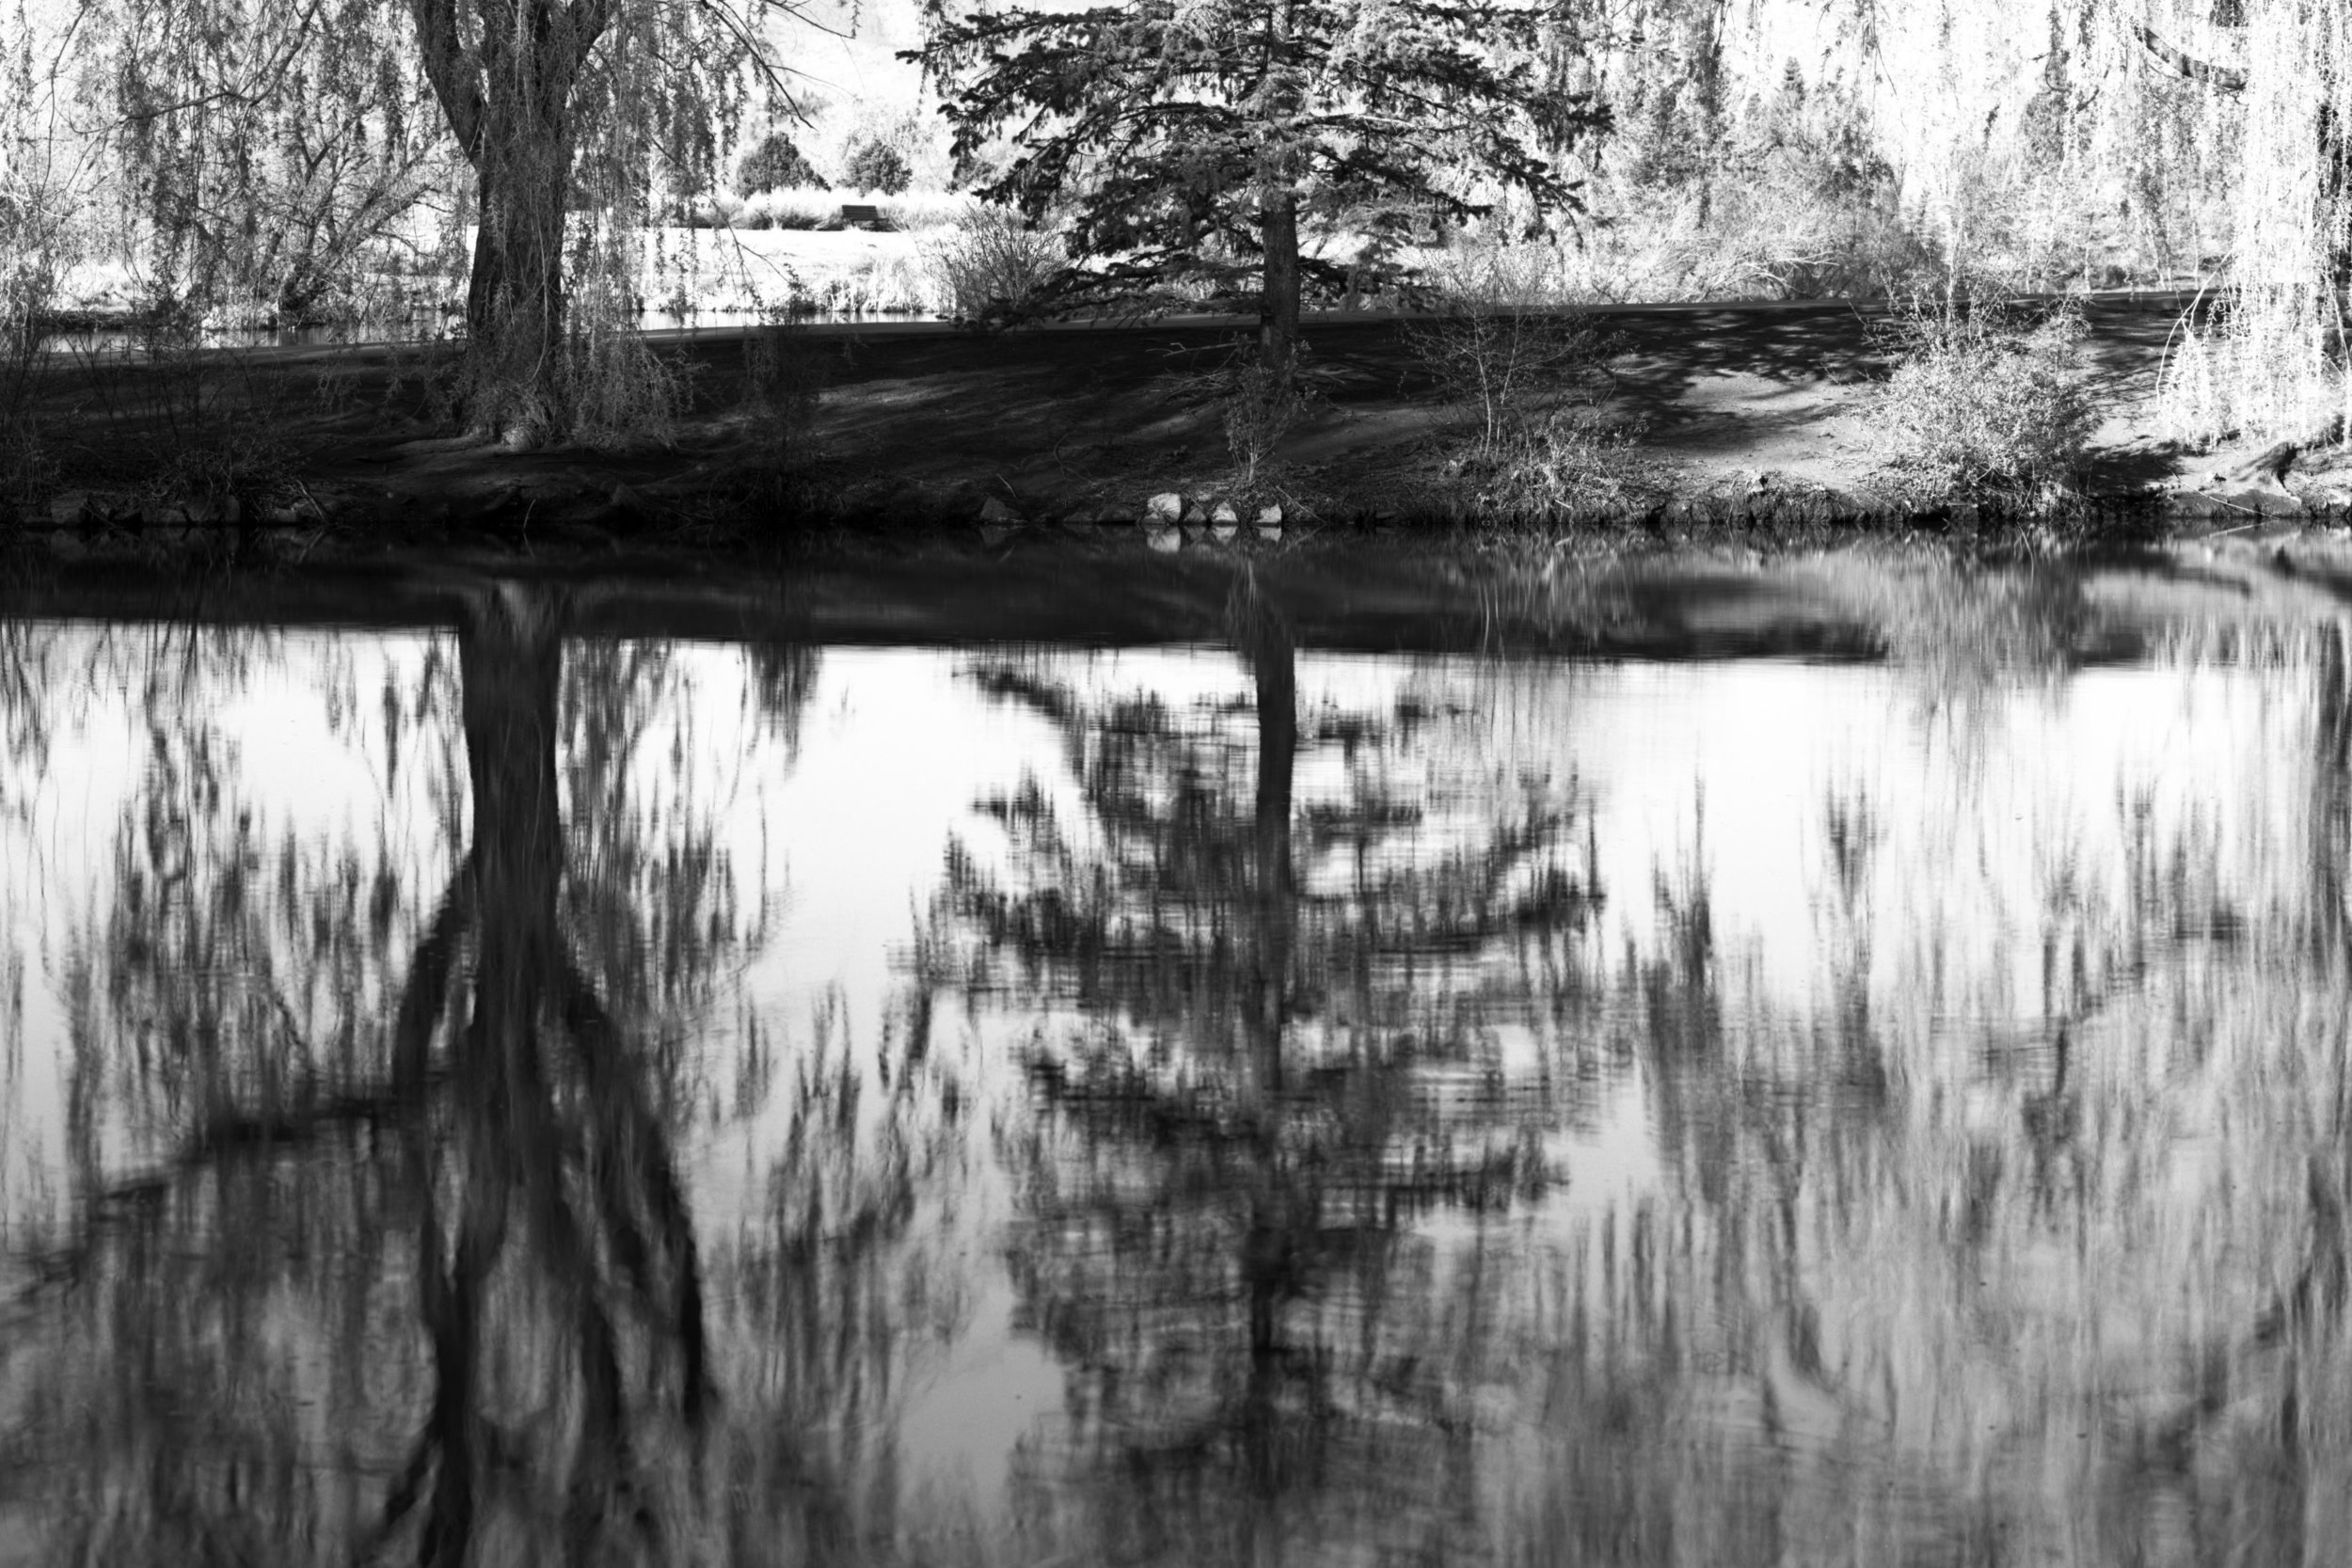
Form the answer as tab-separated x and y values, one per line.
1191	142
257	142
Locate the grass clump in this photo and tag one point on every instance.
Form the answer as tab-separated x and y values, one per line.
180	426
1562	463
1986	405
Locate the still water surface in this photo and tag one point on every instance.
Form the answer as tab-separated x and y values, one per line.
512	1097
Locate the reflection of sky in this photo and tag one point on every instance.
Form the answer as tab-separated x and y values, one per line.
327	783
1990	842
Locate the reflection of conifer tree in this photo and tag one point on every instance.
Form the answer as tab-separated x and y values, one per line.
1286	1046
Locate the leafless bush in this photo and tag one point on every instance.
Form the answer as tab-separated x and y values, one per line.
991	265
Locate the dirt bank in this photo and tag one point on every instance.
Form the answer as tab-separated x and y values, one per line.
1744	418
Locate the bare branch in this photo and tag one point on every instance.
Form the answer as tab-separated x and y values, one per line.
2220	77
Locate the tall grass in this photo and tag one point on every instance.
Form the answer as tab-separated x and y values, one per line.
808	208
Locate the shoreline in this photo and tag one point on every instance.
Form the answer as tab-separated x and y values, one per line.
1739	424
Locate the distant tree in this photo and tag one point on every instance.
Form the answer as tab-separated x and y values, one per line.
1194	140
776	164
874	166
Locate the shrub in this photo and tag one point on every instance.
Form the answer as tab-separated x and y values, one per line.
872	165
1256	407
1260	409
1985	403
620	391
1498	348
33	254
783	382
784	375
28	470
990	266
774	164
719	210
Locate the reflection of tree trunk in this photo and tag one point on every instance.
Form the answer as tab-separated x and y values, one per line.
450	1304
523	1116
1270	1248
1265	641
638	1168
509	665
508	662
2331	801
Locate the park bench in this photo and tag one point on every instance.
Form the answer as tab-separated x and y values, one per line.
858	216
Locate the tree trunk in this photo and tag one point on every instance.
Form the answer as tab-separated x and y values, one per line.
514	306
514	300
508	101
1278	310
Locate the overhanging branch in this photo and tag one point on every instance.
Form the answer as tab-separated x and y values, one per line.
2221	78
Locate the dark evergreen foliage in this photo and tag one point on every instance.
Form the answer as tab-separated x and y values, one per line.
873	166
776	164
1190	143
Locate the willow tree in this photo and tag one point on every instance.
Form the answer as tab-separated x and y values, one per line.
548	117
2287	66
1197	140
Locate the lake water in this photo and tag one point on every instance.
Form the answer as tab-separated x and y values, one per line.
1866	1086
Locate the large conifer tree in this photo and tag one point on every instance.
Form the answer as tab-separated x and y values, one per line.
1196	139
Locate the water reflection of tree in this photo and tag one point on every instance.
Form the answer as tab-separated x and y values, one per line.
501	1159
1273	1037
1946	1273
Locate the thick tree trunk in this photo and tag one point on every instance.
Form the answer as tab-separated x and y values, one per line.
515	304
508	100
1278	310
514	300
509	662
